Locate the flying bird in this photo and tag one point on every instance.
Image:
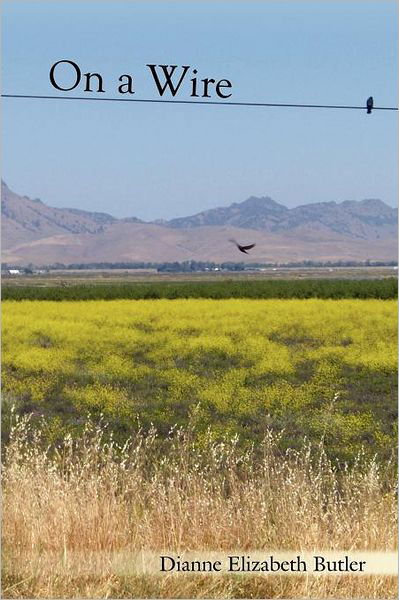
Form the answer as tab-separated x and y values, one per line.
243	248
370	104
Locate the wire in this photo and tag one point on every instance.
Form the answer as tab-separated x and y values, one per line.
216	103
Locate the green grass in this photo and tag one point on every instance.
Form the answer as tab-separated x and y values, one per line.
322	288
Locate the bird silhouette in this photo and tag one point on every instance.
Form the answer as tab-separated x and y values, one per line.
242	248
370	104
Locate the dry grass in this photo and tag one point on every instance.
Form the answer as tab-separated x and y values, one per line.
92	498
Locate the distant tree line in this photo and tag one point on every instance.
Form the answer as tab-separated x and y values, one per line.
197	266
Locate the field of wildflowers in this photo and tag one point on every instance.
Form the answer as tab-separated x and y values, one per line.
319	369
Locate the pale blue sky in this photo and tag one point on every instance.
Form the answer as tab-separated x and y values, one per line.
162	161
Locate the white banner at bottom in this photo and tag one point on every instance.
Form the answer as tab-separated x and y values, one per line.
182	563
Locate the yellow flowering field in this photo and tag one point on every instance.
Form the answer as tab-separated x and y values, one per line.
320	369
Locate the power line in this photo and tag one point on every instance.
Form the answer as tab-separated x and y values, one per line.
212	102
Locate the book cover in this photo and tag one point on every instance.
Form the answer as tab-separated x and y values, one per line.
199	280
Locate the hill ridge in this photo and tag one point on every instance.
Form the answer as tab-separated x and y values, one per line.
352	229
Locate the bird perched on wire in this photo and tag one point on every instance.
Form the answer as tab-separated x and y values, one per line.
370	104
243	248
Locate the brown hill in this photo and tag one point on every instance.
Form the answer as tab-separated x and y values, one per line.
365	219
24	219
36	233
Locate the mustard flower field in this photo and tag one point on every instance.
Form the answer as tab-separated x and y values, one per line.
317	369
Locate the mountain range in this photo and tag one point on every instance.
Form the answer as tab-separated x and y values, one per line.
33	232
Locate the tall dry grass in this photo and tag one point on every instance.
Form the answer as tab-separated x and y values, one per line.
68	510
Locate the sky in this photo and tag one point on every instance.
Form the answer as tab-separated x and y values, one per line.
163	160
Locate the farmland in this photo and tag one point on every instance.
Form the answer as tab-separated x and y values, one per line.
214	288
196	424
315	368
